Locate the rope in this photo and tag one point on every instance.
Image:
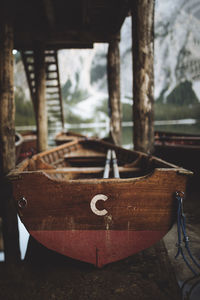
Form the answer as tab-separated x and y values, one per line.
181	229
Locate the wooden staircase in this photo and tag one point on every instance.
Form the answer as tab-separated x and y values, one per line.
53	89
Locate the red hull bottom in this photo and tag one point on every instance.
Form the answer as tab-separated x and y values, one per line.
98	247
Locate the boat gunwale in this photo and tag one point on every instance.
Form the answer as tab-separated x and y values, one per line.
25	163
151	174
106	144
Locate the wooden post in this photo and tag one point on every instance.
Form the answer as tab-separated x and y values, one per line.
40	98
113	72
143	75
7	141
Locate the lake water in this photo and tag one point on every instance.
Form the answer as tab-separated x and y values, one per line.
190	126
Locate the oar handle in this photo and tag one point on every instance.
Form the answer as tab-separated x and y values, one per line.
107	165
115	165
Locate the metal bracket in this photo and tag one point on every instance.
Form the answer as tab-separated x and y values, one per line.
22	203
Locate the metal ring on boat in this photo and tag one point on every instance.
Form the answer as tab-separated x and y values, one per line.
179	193
22	202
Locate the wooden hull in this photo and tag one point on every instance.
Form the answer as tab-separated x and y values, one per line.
92	219
98	248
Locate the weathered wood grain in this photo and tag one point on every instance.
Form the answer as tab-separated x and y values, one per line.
143	75
146	203
40	99
113	73
7	140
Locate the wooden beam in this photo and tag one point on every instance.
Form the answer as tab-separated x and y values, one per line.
113	72
7	142
40	98
49	12
143	75
61	39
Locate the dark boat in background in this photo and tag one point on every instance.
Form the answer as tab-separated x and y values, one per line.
27	146
180	149
18	145
67	136
75	199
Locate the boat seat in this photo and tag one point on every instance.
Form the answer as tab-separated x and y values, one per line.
88	170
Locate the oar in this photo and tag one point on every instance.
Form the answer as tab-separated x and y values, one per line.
107	165
115	166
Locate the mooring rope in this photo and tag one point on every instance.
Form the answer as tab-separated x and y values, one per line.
181	228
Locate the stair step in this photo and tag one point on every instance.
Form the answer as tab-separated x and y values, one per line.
52	93
52	86
50	63
49	51
54	111
53	99
51	78
50	55
29	55
51	71
52	103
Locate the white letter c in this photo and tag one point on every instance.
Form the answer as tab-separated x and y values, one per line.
93	205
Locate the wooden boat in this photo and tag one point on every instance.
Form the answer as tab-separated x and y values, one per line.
18	144
67	136
28	146
181	149
66	204
177	139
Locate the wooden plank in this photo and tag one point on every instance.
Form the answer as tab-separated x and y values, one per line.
145	203
84	153
86	170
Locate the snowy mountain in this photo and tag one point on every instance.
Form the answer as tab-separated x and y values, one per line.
177	46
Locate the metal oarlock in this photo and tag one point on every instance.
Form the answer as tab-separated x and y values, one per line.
22	203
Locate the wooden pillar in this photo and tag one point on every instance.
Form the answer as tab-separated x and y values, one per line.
7	141
143	75
113	73
40	98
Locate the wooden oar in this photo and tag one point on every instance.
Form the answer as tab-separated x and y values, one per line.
115	166
107	165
